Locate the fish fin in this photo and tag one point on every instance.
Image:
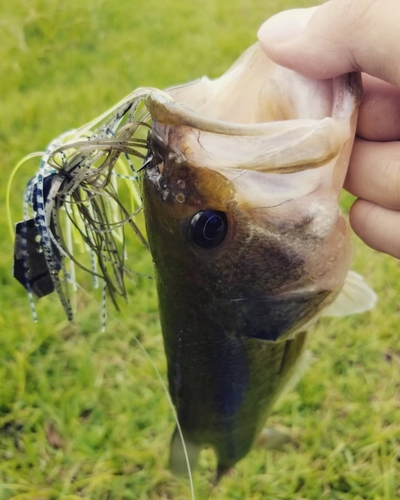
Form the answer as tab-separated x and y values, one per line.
271	439
295	376
355	297
178	458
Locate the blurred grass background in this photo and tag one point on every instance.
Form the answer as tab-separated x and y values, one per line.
82	413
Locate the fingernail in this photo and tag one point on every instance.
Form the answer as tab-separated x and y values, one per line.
285	26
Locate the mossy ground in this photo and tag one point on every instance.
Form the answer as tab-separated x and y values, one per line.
82	413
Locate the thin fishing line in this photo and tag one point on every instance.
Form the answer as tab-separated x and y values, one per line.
165	389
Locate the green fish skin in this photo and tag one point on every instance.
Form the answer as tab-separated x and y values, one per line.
246	259
221	311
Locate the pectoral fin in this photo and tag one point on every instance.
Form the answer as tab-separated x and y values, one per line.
295	375
271	439
356	297
178	459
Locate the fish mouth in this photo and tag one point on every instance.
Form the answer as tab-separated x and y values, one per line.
258	116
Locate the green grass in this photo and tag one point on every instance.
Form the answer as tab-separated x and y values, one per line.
82	413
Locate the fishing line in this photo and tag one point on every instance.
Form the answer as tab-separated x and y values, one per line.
161	380
172	407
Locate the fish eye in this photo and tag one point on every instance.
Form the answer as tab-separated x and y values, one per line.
208	228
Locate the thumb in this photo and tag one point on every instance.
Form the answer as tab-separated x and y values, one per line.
338	37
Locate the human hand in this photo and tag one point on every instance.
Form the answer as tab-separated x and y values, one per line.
355	35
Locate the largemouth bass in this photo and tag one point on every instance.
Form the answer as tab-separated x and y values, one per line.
240	185
241	200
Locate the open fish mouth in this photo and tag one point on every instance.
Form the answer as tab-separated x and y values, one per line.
278	120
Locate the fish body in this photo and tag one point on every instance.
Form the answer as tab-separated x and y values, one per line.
247	240
220	317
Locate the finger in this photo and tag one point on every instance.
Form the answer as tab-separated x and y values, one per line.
377	226
379	114
338	37
374	173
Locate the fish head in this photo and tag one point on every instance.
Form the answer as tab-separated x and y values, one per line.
248	211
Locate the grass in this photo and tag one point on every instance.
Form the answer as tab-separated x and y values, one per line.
82	413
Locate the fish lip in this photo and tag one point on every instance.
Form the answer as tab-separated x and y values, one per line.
218	145
165	111
173	113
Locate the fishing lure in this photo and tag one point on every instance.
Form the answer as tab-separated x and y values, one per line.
74	198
